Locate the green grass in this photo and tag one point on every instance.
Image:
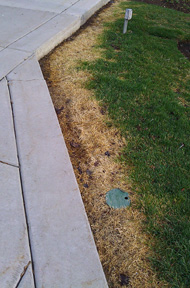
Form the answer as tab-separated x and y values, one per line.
144	82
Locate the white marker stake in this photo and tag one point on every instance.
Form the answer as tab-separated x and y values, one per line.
128	16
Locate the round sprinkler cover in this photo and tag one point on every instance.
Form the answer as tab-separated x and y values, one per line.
116	198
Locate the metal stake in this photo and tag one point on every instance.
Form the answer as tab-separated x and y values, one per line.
125	26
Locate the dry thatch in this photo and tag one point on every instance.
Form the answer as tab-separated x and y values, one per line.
121	243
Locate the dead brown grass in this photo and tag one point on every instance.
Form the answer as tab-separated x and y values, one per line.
118	234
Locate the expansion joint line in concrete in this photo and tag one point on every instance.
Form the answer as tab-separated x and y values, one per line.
50	19
29	57
30	32
23	197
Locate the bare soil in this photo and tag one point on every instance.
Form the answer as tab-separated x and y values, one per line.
184	47
180	5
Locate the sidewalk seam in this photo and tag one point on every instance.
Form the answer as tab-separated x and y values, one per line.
22	190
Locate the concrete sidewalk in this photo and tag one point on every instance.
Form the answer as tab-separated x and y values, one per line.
45	239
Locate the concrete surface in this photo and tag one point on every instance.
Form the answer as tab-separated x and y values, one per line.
10	59
8	152
28	70
15	252
46	237
23	22
86	8
59	232
26	280
56	6
44	39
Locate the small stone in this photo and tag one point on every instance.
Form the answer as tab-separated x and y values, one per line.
85	185
74	144
96	163
124	280
102	111
89	172
80	170
68	101
59	110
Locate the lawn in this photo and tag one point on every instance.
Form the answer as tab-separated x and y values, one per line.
143	81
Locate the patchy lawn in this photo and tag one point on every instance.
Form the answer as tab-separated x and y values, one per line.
141	81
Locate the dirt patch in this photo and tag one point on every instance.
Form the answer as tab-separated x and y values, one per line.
184	47
179	5
94	148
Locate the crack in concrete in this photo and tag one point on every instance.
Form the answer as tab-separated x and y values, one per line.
6	163
23	273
